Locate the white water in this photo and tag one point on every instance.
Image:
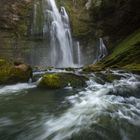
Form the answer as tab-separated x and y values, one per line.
16	88
90	105
104	105
78	54
61	45
101	51
53	23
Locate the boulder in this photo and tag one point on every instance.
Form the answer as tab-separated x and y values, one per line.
10	73
61	80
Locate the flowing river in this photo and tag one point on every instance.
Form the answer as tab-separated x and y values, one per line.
99	111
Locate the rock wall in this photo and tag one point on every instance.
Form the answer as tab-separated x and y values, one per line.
15	16
115	19
15	22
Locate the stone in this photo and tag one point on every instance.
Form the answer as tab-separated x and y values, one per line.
61	80
11	74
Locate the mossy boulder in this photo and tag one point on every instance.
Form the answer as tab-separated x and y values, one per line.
10	73
61	80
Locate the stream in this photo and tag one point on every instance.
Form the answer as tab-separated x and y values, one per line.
99	111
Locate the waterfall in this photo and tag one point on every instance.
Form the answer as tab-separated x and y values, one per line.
61	44
78	54
101	51
52	25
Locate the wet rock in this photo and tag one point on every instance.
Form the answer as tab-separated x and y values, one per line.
107	76
93	68
70	69
61	80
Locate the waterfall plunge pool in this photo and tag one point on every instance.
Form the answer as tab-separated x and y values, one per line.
109	111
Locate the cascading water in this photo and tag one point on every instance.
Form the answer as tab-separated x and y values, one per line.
78	54
101	110
101	52
58	48
61	44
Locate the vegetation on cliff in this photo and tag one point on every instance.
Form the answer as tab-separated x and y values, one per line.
126	55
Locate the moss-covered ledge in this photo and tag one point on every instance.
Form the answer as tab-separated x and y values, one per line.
125	55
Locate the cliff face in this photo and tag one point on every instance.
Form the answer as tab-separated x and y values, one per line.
15	20
118	21
15	16
115	18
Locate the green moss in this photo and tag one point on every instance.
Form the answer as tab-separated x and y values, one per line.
126	52
126	44
51	80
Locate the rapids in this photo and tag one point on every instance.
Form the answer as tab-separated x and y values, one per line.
100	111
